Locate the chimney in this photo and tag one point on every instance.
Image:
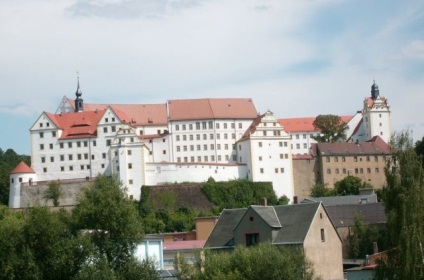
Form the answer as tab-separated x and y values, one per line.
295	200
264	201
375	247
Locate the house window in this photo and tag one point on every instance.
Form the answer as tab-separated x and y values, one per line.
252	239
322	235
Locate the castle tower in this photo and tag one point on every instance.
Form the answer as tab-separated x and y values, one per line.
376	116
79	102
21	174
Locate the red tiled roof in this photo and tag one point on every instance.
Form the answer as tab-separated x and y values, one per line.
183	245
22	167
304	124
343	148
370	101
137	114
77	125
219	108
300	156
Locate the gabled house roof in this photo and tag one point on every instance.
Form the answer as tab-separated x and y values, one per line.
344	215
345	199
211	108
376	146
22	167
292	223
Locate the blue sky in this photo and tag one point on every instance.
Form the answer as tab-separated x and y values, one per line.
296	58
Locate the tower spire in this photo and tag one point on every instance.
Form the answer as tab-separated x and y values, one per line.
79	102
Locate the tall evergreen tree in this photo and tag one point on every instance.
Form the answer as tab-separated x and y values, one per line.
404	202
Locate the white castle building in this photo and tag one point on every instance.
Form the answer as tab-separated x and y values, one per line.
178	141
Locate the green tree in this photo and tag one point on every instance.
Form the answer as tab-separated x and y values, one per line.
53	192
419	149
16	259
321	190
363	236
331	128
350	185
404	204
263	261
111	218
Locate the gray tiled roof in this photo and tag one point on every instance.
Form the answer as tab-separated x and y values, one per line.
268	214
344	215
346	199
295	221
222	233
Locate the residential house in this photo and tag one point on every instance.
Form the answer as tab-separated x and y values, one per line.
307	226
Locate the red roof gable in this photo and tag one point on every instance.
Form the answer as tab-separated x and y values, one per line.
77	125
22	167
219	108
304	124
137	114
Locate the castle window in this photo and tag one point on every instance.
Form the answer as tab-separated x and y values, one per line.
233	136
51	146
377	170
103	155
191	137
217	126
233	125
328	171
62	157
327	159
108	141
85	144
304	136
92	156
51	159
184	137
129	152
240	125
45	169
197	125
43	159
94	143
184	127
79	156
206	158
282	169
41	124
130	181
343	159
191	147
71	168
368	158
225	125
218	146
355	158
205	147
177	127
70	157
260	144
177	137
178	148
113	128
276	170
106	120
211	136
212	147
178	159
261	170
336	159
62	168
105	129
41	146
190	126
85	156
322	235
79	144
41	134
337	171
226	146
203	125
210	124
129	165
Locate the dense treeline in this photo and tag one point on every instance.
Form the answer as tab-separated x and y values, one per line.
263	261
8	161
162	215
94	241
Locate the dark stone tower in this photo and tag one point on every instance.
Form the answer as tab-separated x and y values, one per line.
374	91
79	102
